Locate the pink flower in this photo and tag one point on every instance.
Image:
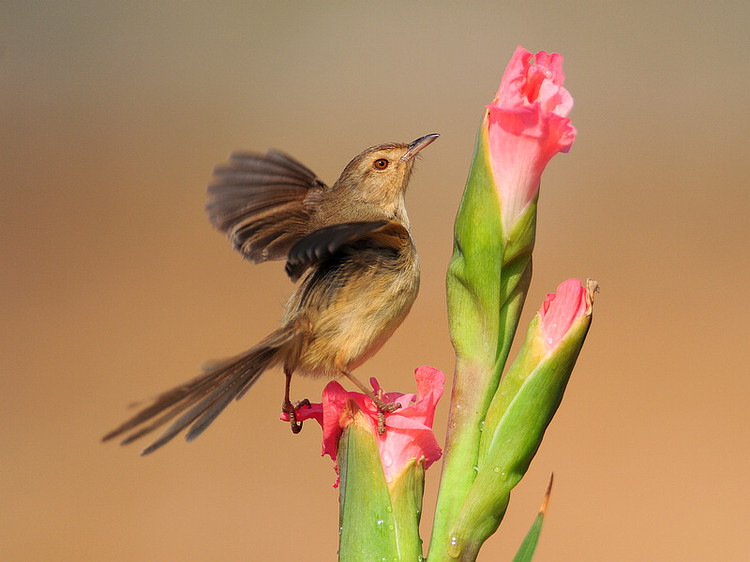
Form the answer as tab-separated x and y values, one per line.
561	309
408	431
527	126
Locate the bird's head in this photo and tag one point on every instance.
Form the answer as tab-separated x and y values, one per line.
381	173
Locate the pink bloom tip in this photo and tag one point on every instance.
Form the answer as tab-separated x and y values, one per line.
561	309
527	125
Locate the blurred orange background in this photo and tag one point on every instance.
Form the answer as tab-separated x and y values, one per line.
115	287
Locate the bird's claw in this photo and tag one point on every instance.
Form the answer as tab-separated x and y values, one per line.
383	408
291	410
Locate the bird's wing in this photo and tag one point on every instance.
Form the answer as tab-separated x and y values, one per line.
332	240
261	201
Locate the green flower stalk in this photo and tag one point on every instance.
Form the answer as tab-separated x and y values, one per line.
521	410
490	271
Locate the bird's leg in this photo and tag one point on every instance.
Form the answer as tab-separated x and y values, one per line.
291	409
383	407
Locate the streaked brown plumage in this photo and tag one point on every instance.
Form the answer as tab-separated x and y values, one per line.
351	245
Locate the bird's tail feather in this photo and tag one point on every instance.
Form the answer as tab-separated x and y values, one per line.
198	402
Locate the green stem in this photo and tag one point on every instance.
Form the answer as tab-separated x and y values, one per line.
460	455
487	280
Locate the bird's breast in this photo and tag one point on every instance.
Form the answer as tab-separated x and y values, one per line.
347	310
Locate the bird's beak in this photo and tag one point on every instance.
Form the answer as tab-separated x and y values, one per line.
417	145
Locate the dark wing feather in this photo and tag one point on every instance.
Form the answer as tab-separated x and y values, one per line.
261	202
324	243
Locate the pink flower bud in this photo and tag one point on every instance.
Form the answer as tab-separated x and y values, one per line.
527	126
560	310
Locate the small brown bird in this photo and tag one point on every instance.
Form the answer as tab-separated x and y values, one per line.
352	244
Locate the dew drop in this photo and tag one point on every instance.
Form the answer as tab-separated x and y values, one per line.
387	460
388	508
455	545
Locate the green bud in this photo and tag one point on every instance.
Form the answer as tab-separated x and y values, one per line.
521	410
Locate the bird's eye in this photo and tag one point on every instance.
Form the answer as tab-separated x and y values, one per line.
380	164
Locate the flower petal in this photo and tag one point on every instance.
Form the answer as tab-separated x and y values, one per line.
559	310
408	434
527	125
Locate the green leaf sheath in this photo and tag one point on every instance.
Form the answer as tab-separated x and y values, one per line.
376	523
366	520
406	497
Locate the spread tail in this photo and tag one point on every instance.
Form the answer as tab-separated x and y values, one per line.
201	400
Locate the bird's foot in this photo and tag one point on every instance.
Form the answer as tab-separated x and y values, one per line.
383	408
291	410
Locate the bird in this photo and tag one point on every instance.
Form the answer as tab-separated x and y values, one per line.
351	246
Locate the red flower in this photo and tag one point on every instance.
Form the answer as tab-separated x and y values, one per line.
408	431
527	126
559	310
